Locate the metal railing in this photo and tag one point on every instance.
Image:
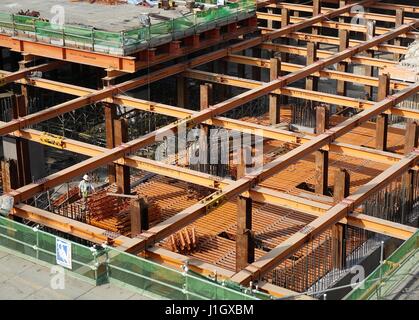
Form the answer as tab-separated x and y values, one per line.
101	264
99	40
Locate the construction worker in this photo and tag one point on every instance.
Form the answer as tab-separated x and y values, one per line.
85	189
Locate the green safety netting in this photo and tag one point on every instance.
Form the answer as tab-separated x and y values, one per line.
390	265
113	265
91	38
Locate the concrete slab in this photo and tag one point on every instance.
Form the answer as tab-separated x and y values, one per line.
3	278
16	288
11	265
106	292
51	294
103	17
3	254
38	275
23	279
139	297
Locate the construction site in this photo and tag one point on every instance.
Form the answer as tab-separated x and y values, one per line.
236	150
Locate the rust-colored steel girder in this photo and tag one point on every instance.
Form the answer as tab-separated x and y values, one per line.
231	124
336	25
183	218
128	64
335	41
365	15
297	92
356	59
245	183
158	254
259	194
158	75
330	74
13	76
341	210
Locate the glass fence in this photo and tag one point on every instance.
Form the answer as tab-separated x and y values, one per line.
97	40
383	273
100	265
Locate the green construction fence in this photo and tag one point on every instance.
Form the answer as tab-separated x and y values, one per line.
92	39
384	271
107	264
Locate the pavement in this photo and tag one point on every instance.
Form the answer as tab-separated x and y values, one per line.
22	279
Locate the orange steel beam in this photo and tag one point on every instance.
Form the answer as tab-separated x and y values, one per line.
327	73
365	15
335	41
96	59
190	214
113	154
386	6
230	124
336	25
98	235
127	64
259	194
131	84
98	95
269	261
297	92
240	185
356	59
13	76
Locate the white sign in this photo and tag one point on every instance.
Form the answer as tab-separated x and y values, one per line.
220	2
63	253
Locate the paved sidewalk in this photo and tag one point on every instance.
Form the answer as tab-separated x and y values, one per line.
21	279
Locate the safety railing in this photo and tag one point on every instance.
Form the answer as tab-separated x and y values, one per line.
382	275
105	264
97	40
40	245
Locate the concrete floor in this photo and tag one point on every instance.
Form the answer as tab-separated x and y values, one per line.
21	279
104	17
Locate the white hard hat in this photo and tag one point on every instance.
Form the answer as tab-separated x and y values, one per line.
86	177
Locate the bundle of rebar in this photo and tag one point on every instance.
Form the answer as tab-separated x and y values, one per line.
71	196
184	241
100	205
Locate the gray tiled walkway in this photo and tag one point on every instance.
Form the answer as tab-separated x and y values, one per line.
24	279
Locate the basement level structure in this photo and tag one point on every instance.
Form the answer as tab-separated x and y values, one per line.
309	81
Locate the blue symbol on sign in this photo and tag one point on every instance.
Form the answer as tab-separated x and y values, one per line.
63	253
